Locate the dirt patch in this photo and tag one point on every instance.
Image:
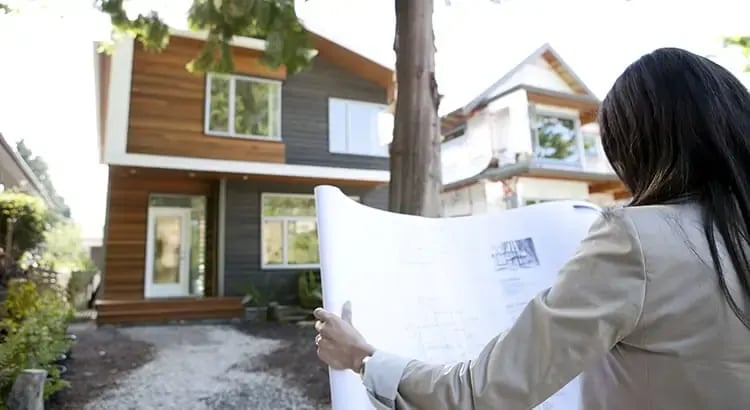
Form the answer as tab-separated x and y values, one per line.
101	357
296	361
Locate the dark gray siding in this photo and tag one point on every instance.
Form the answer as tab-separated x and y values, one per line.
304	115
242	236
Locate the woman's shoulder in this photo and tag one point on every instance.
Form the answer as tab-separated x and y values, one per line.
658	225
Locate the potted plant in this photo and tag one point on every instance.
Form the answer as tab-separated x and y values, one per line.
256	306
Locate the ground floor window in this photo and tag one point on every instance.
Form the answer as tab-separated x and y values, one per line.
289	231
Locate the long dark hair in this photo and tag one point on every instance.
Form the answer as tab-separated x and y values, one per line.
677	125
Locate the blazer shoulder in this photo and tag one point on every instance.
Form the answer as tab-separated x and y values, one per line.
659	223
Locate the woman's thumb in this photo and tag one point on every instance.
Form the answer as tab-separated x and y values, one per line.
346	312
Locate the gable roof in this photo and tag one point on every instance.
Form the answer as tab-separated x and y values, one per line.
548	54
13	163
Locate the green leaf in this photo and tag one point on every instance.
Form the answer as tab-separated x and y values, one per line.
272	20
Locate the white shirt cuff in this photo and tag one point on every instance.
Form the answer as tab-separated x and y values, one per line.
382	376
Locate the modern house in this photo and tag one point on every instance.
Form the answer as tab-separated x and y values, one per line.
16	174
211	176
529	137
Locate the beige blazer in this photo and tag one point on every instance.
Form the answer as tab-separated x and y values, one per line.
637	310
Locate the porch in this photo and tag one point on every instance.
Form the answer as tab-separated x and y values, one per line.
189	245
161	310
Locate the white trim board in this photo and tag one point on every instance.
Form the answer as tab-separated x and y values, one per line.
115	150
237	41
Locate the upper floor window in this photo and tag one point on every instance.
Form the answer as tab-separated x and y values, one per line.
557	137
591	143
243	107
359	128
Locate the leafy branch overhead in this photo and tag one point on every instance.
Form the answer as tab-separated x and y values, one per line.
743	42
275	21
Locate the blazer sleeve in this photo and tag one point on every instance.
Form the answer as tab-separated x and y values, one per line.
595	302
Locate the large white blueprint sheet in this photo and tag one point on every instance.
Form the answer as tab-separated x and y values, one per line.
439	289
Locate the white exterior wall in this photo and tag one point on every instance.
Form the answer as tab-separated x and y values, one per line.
468	200
467	155
529	188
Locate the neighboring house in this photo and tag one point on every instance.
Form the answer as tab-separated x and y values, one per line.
16	174
530	137
211	177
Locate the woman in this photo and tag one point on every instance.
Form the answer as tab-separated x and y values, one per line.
653	308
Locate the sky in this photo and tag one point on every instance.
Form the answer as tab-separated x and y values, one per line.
46	60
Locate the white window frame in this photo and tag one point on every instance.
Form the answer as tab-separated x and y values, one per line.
581	162
285	265
331	149
232	80
597	145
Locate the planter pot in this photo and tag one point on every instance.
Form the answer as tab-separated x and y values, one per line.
256	313
293	314
274	314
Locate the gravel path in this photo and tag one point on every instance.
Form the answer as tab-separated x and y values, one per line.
204	367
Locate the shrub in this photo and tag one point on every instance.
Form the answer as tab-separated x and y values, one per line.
78	287
63	248
35	324
27	217
310	290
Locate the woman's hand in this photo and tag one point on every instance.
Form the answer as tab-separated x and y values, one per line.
340	345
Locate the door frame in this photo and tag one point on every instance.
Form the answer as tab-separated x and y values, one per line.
182	289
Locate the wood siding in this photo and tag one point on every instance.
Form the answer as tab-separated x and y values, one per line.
167	106
304	116
126	229
142	311
242	236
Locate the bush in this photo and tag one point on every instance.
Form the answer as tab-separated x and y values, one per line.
310	290
35	324
78	287
63	248
27	216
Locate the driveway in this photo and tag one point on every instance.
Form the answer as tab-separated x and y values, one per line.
246	366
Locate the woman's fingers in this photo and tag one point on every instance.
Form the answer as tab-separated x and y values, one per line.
322	314
319	326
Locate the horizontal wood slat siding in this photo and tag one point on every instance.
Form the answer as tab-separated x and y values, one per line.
304	116
242	241
127	218
167	106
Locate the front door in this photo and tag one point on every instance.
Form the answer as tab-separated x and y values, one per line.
168	253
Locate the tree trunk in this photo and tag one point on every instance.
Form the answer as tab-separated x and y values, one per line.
10	223
415	151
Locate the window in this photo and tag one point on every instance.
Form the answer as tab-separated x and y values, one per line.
359	128
527	202
590	145
289	231
556	137
243	107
